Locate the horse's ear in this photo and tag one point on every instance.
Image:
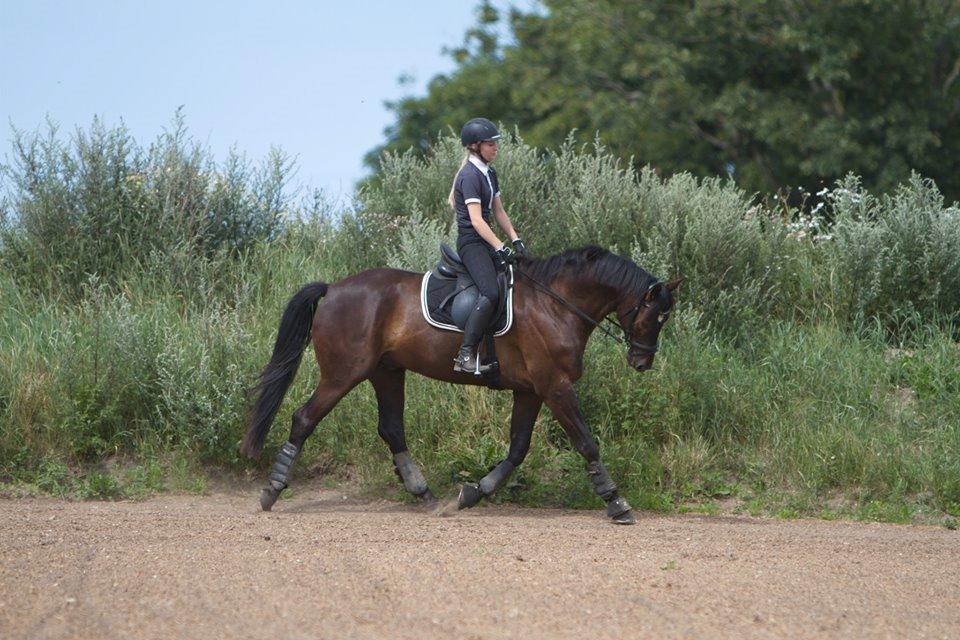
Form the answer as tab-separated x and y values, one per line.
672	286
653	291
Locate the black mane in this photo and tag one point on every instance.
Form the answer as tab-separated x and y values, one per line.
605	267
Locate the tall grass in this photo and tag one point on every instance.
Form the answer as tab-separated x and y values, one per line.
811	362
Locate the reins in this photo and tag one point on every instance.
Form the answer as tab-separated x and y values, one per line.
627	335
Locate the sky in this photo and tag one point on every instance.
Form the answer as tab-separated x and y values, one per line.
309	77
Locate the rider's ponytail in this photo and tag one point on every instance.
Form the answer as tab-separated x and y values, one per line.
453	187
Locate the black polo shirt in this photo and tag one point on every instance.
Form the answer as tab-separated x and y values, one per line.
476	182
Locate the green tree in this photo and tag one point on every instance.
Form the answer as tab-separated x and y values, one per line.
777	92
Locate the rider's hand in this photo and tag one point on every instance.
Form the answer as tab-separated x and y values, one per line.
520	248
506	254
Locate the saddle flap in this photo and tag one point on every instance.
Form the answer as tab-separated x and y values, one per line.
446	302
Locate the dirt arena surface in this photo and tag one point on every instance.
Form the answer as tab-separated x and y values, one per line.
323	565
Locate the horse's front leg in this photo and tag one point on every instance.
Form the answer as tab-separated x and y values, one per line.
526	406
563	402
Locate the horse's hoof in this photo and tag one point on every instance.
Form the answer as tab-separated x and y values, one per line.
427	497
619	511
470	495
267	497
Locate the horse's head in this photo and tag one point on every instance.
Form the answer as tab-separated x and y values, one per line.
643	321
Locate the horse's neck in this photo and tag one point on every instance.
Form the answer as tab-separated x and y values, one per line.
594	299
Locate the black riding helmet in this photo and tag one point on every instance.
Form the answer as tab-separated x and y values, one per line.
478	130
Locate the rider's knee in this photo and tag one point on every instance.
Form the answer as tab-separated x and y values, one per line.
484	303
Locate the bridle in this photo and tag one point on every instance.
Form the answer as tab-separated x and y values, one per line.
627	338
643	303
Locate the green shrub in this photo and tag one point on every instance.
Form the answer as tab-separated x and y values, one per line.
895	258
101	203
812	354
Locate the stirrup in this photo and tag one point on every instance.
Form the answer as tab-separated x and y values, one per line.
461	365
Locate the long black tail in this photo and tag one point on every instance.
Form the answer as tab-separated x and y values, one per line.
292	339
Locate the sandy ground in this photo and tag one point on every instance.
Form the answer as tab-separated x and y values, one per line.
323	565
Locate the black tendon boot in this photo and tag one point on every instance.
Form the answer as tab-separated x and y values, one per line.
467	361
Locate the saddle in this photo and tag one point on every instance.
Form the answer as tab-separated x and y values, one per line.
448	295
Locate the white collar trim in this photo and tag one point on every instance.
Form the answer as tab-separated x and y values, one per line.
479	164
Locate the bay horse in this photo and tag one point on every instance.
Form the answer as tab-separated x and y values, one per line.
370	327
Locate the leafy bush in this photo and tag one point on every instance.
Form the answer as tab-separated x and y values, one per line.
895	258
812	353
102	204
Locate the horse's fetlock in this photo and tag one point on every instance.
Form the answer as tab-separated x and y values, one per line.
410	474
603	484
497	476
280	472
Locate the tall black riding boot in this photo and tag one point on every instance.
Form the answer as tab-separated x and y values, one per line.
467	361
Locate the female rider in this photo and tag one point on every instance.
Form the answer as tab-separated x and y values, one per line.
474	194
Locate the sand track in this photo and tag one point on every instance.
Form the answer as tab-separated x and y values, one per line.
325	566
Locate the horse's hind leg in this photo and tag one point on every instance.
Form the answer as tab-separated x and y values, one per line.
389	387
526	406
305	419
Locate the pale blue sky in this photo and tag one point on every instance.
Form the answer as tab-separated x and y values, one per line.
310	77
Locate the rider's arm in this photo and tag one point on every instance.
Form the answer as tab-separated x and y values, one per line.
500	215
476	219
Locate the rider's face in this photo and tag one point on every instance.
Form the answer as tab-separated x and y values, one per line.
488	150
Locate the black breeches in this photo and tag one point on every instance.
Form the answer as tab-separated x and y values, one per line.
478	258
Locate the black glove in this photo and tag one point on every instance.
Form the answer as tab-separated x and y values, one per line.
506	255
520	248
